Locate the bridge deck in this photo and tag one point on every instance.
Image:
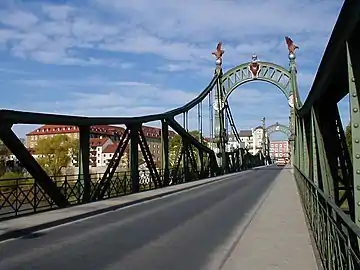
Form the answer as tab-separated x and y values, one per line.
249	220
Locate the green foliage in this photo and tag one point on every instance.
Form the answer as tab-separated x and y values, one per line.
9	180
12	175
55	153
4	151
176	143
348	138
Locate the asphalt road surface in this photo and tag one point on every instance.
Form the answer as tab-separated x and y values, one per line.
182	231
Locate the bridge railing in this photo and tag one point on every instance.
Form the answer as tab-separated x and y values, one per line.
335	234
23	196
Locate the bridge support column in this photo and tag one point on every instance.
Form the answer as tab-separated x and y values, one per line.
292	100
84	152
134	158
220	133
165	152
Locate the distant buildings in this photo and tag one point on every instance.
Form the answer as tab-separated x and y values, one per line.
103	140
252	140
279	149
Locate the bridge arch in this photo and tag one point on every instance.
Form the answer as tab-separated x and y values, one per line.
256	70
279	128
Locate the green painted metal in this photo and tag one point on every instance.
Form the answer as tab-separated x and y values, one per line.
305	148
165	151
333	231
134	157
235	77
84	163
327	182
294	101
44	182
279	128
268	72
314	153
316	165
355	134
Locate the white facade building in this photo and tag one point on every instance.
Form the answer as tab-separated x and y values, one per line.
233	144
257	139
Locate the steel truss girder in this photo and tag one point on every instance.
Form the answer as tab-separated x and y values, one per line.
84	158
187	155
336	150
149	160
28	161
188	138
105	181
353	68
165	152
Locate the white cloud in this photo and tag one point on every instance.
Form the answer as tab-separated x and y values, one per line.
116	98
170	31
19	19
58	13
204	19
161	37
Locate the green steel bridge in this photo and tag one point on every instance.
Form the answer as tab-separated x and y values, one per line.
327	175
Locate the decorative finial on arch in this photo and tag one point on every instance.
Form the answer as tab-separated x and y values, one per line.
291	47
254	66
218	54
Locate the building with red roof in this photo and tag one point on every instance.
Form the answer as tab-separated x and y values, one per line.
103	140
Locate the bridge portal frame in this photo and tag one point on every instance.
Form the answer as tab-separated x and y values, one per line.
285	80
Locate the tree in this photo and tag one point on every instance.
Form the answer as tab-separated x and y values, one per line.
176	143
348	139
4	153
55	153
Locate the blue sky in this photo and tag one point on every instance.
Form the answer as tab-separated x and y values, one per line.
126	58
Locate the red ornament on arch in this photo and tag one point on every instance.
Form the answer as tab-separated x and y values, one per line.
254	67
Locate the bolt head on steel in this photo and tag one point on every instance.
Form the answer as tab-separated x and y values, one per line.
218	61
292	56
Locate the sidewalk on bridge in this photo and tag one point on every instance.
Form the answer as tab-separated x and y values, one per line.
18	227
277	236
